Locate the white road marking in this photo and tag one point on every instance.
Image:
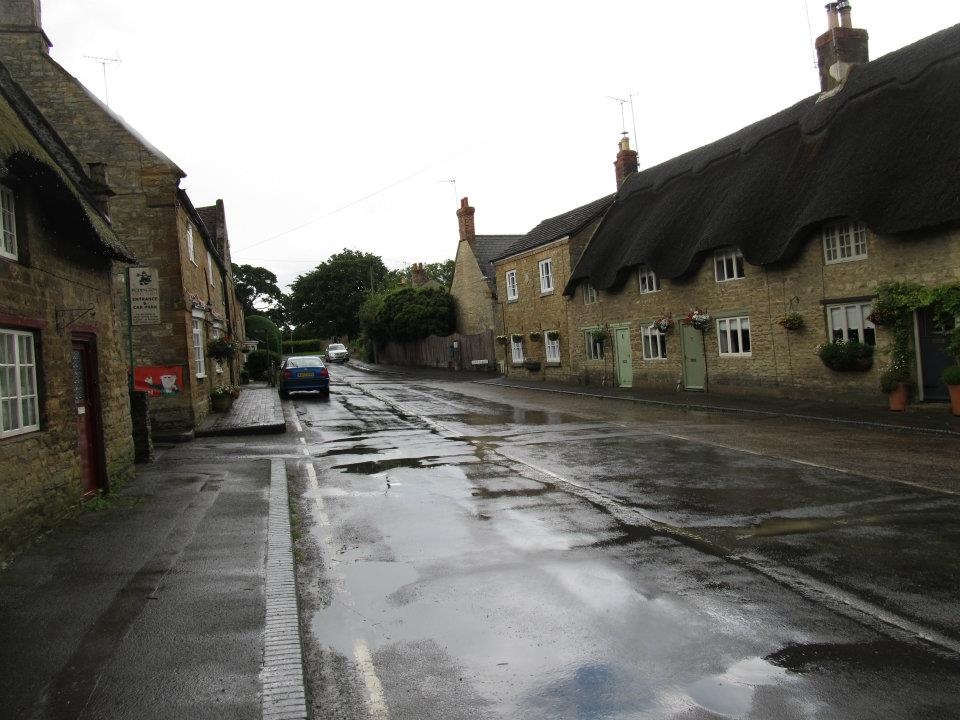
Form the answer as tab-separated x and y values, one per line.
376	702
296	423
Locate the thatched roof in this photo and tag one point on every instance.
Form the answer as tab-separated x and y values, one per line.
559	226
31	149
885	150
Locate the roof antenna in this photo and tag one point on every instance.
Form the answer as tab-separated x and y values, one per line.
623	119
813	44
456	197
104	62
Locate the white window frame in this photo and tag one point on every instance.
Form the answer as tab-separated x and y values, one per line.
649	282
199	351
730	260
516	351
654	342
8	224
191	252
551	349
19	363
593	348
844	242
546	276
513	292
730	332
839	323
589	294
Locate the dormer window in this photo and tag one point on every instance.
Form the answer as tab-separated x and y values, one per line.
728	264
8	217
843	242
649	282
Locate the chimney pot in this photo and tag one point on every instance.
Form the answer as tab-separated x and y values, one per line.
465	220
844	10
832	20
626	162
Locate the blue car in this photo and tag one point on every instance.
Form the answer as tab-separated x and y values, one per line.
306	372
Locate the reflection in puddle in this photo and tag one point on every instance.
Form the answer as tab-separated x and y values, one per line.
730	694
355	450
485	494
514	416
372	467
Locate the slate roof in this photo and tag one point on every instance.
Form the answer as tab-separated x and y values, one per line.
884	150
488	247
560	226
30	147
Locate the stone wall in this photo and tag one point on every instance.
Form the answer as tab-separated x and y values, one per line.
469	289
41	479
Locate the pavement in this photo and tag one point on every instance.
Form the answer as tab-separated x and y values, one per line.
257	410
931	417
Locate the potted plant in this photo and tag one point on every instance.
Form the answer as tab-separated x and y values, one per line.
664	324
846	356
553	335
791	321
895	382
221	398
951	376
698	318
535	336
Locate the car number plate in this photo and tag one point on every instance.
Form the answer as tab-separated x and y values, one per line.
305	374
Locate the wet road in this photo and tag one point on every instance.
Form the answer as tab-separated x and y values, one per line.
468	551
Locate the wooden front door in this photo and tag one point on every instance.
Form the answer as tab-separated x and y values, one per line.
88	416
934	357
624	357
694	364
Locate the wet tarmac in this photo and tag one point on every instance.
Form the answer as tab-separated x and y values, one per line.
469	552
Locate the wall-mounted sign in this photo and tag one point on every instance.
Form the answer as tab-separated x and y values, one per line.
159	380
144	296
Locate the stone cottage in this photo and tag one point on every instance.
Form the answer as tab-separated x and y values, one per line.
780	234
65	429
183	288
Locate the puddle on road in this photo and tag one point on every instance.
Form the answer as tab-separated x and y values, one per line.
372	467
485	494
809	657
514	416
730	694
355	450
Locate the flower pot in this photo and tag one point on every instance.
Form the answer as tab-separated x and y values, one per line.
899	397
954	398
221	403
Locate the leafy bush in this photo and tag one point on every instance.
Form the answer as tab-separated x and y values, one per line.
262	329
843	355
951	376
893	376
258	363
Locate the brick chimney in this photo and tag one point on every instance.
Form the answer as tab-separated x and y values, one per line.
626	163
465	213
20	23
841	47
418	276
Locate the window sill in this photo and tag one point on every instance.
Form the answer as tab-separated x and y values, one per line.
553	363
18	434
731	280
734	356
200	377
663	359
544	293
840	261
512	300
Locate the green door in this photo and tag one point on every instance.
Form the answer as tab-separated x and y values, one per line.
624	357
694	366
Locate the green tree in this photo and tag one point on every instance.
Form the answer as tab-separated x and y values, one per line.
259	293
442	272
262	329
327	300
408	314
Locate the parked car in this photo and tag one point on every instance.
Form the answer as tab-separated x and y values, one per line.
336	352
303	372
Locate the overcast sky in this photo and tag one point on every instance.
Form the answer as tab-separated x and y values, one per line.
325	125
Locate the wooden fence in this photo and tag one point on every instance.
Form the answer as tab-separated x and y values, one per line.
456	352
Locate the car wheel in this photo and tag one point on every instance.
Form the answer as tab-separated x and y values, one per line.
284	394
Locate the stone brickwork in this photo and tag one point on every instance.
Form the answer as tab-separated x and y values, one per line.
149	213
534	311
41	480
781	362
476	309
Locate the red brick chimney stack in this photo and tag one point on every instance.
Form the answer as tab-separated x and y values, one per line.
465	213
841	47
626	163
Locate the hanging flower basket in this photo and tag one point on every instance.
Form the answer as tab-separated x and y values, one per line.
516	337
664	324
698	318
535	336
553	335
223	349
502	339
598	336
791	321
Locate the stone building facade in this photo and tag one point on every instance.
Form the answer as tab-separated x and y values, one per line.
151	214
474	285
65	427
806	212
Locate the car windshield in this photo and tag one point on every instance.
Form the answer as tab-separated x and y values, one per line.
304	362
335	346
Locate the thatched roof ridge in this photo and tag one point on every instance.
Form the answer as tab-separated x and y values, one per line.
885	150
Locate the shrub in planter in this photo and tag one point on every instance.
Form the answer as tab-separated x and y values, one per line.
845	356
951	376
258	363
892	376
